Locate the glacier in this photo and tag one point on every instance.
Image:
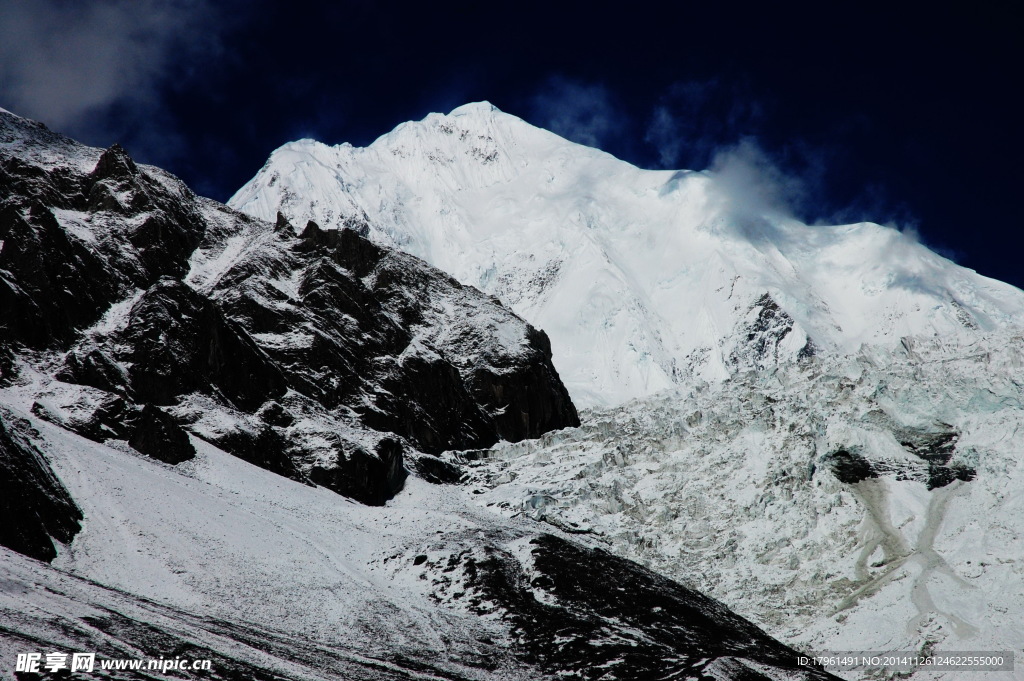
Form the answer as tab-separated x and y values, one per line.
743	489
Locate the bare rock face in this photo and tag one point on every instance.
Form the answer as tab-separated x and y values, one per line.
369	478
321	357
58	279
517	389
178	342
52	284
35	509
262	446
770	335
156	434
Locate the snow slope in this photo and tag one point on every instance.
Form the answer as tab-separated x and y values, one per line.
640	278
218	559
224	540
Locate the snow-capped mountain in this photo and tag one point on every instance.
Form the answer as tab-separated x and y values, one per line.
641	278
835	447
218	439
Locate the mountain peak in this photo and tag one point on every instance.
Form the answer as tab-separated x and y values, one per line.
640	277
474	108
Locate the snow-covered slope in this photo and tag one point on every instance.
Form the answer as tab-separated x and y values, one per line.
269	578
640	278
870	503
193	402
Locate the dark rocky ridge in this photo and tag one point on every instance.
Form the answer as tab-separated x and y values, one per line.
579	612
374	352
53	283
35	509
178	342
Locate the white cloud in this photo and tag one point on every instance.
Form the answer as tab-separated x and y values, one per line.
752	183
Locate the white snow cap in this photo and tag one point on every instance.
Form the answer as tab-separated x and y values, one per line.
639	277
474	107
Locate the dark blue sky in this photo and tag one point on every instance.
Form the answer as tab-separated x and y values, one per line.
906	116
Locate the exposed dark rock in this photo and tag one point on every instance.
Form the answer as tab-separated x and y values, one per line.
346	333
312	231
109	418
8	365
764	333
936	447
282	224
520	399
159	243
35	508
358	303
54	282
55	187
425	400
850	466
585	613
180	343
435	470
157	435
940	476
276	415
932	446
115	164
264	448
50	283
171	227
521	393
369	478
93	367
147	429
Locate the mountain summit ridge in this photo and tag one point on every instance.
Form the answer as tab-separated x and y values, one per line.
638	276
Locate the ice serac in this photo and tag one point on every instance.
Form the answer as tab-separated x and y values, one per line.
860	503
155	314
639	277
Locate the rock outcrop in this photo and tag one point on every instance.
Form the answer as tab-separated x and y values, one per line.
322	357
35	509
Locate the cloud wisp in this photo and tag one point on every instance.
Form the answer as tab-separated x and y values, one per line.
93	69
578	111
694	119
754	184
728	130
